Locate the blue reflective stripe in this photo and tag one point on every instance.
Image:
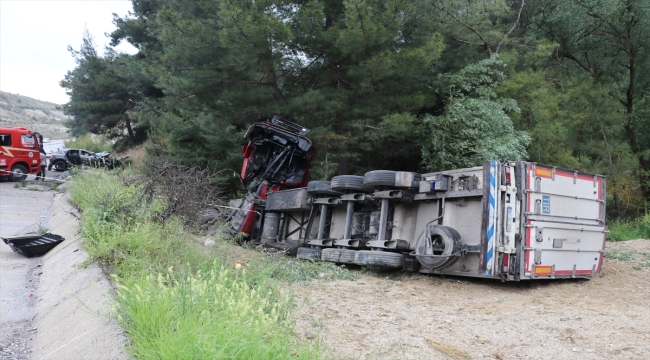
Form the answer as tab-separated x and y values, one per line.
491	220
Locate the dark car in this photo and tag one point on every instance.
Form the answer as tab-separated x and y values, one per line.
63	159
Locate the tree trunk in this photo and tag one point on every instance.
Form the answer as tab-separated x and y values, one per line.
129	129
644	164
617	200
343	165
271	79
273	84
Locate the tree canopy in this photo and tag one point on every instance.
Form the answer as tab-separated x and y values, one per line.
403	84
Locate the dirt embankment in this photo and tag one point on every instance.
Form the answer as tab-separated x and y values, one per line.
394	316
383	315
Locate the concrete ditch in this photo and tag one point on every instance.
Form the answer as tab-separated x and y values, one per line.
54	307
73	317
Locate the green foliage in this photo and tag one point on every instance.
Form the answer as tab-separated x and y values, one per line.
176	300
630	229
87	143
329	65
475	126
365	76
211	315
641	259
280	267
615	56
103	92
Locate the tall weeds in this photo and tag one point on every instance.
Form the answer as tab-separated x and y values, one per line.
174	300
630	230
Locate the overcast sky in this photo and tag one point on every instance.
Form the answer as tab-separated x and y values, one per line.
34	36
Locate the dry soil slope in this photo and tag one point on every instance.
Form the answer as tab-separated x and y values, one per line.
392	316
41	116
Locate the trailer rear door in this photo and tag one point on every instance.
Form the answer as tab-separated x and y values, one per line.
564	223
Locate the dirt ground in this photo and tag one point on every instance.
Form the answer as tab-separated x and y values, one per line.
386	315
382	315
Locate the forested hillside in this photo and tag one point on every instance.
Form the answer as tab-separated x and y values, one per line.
403	85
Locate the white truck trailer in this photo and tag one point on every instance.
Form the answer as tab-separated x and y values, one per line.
510	221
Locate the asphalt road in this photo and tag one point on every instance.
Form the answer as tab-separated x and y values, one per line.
22	211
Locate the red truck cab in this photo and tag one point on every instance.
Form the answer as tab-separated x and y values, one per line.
19	153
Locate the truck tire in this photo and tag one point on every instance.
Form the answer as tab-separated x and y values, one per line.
307	253
440	235
379	258
349	182
321	188
339	256
379	178
278	246
60	166
18	173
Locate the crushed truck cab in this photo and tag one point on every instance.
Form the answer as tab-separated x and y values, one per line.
19	153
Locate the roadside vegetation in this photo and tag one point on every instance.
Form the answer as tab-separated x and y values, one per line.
411	85
630	229
179	299
99	144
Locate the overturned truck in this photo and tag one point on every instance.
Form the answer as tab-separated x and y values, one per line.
510	221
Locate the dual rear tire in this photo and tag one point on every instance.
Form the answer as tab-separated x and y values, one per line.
362	257
307	253
379	258
339	256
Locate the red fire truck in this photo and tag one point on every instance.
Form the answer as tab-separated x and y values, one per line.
19	153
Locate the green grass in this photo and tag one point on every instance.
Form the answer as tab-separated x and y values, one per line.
177	300
630	229
280	267
642	259
213	315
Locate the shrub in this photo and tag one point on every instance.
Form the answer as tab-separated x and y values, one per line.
87	143
630	229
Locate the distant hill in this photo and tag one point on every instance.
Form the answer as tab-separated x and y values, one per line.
36	115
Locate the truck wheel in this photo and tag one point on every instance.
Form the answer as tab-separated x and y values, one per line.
379	258
18	173
339	256
278	246
349	182
307	253
379	178
60	166
321	188
446	236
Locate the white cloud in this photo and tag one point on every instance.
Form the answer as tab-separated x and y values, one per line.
34	36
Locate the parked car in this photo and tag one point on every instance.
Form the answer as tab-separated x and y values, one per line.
63	159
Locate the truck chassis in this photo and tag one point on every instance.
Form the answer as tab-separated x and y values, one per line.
511	221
